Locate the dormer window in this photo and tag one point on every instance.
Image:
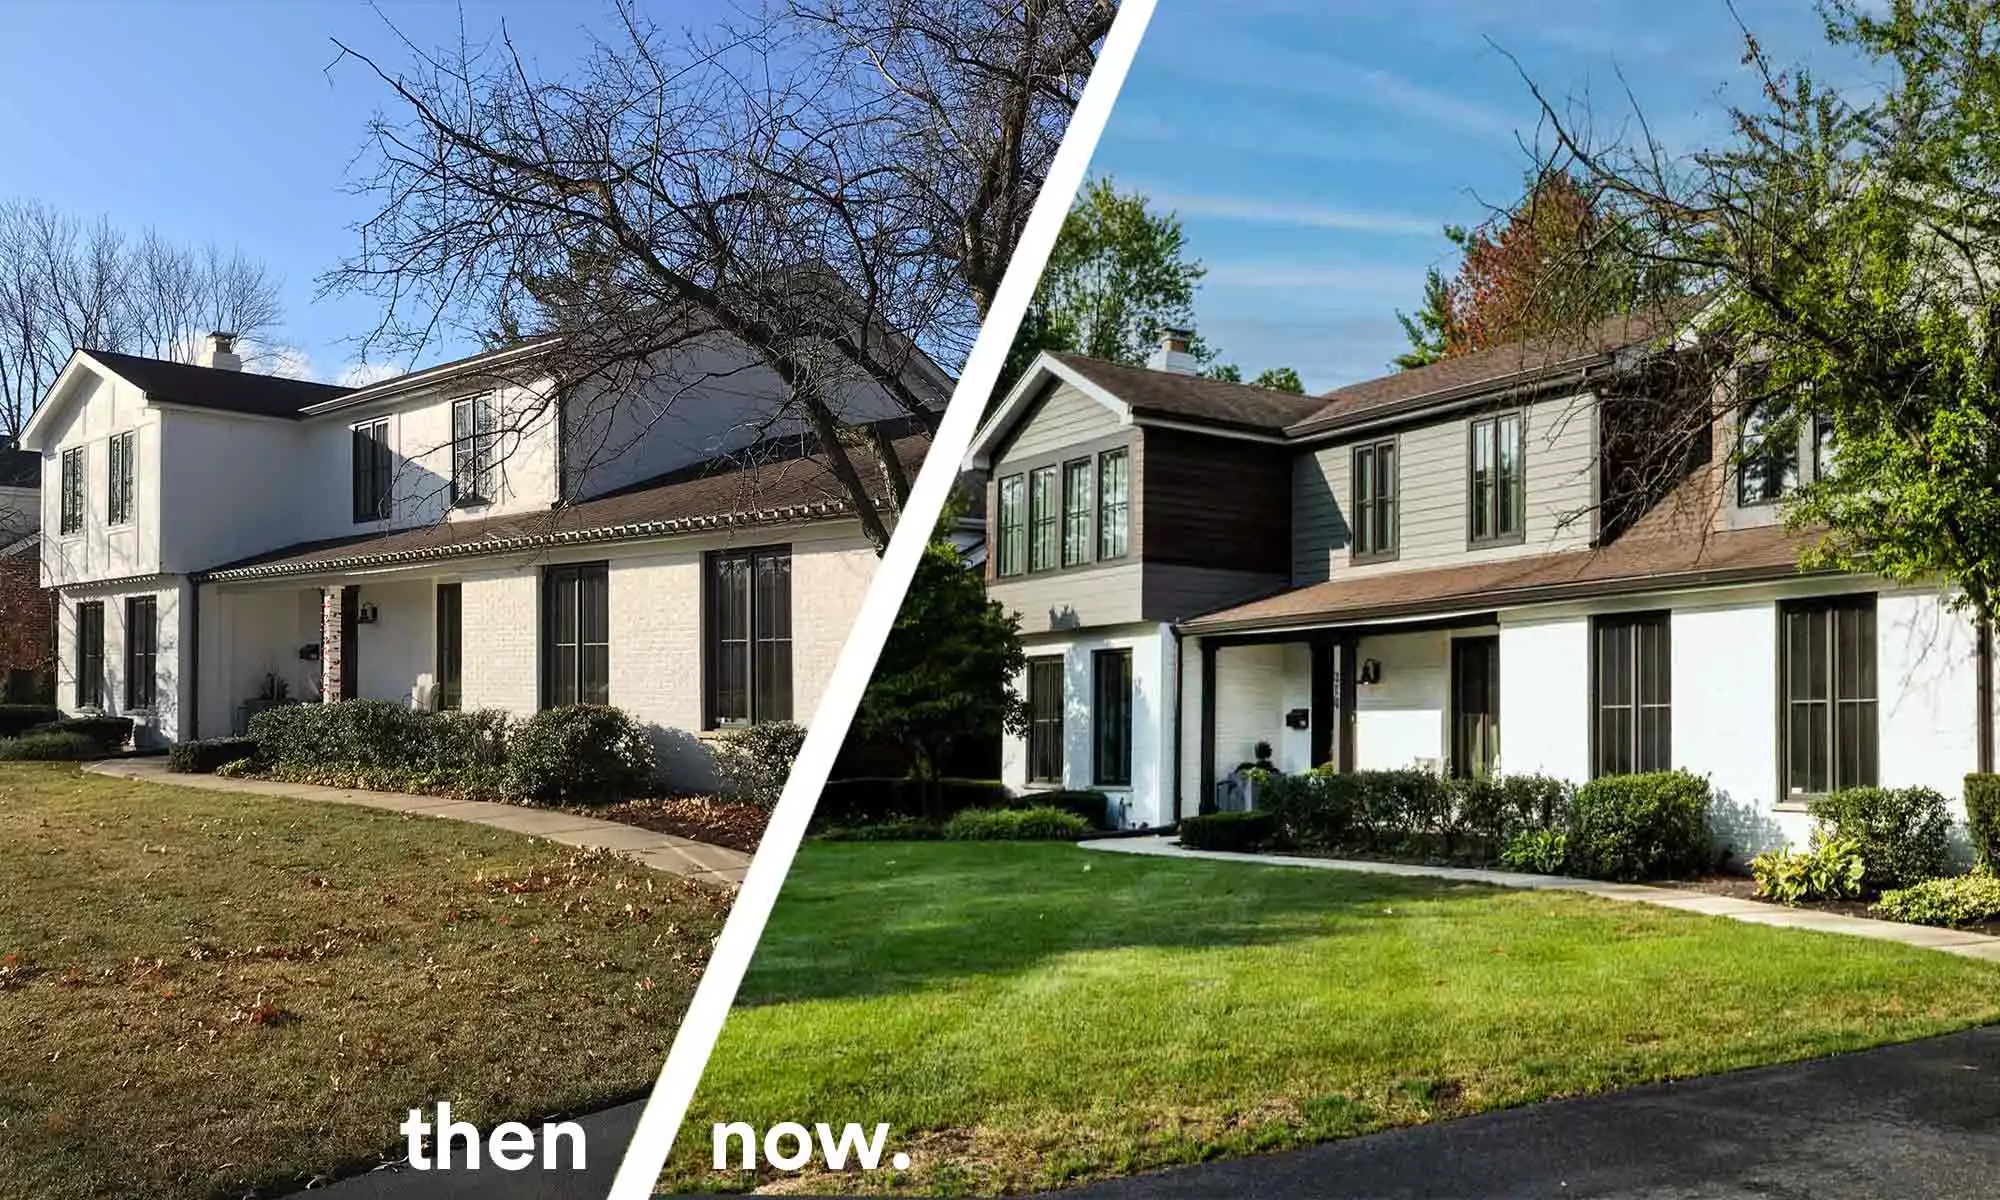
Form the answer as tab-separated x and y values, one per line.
371	471
72	490
122	465
1767	458
472	451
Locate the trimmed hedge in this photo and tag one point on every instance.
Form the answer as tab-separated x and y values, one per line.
108	733
205	756
901	829
1904	834
1409	811
1649	826
1040	823
580	754
1958	900
852	802
1093	807
1237	831
50	746
1982	818
17	719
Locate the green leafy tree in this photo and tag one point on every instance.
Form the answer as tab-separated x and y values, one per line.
1278	379
947	670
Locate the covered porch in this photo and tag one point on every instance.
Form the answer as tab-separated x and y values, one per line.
1356	696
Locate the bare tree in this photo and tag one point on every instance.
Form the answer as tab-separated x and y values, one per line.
67	283
788	200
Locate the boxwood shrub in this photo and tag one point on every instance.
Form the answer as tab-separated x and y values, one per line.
1093	807
755	761
1040	823
1236	831
109	734
579	754
1647	826
17	719
204	756
1904	834
50	746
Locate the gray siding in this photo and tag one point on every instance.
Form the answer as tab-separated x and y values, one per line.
1077	599
1561	459
1064	417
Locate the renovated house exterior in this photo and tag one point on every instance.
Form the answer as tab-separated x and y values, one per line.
465	536
1448	568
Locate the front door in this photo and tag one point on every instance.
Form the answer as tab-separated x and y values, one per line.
1475	706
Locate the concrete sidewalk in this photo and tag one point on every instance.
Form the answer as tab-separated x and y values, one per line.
1951	941
699	861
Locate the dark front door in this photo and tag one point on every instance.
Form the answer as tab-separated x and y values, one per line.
350	644
1475	706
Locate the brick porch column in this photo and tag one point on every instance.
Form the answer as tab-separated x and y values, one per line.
331	651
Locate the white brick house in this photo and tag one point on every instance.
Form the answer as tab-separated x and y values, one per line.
448	538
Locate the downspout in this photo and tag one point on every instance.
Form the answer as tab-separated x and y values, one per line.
1984	724
1180	691
193	668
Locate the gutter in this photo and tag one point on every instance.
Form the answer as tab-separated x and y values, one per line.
1439	402
443	372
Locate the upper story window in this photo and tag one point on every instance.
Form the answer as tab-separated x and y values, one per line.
1767	458
1077	486
1497	492
1375	500
472	441
1042	519
372	471
1013	545
1114	502
122	465
72	490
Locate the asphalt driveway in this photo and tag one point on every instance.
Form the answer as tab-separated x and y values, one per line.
1919	1119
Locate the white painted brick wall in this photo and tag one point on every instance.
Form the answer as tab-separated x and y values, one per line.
500	629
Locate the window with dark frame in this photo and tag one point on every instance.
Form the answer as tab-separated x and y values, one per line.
72	490
472	451
1497	492
1375	500
1077	488
1828	731
1114	503
1045	720
748	625
1012	548
121	466
1632	694
1111	718
90	654
1767	466
142	651
1042	519
372	471
576	635
450	666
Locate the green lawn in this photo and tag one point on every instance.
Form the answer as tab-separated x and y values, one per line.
206	994
1028	1015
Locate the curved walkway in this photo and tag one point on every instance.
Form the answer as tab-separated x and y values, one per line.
1756	912
699	861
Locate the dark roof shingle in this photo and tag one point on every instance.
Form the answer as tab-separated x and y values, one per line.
212	387
1193	397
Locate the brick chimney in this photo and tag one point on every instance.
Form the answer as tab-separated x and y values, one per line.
218	350
1173	353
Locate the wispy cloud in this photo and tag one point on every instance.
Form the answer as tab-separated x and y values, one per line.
1350	280
1306	216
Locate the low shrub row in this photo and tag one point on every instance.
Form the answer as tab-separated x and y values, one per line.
17	719
205	756
50	746
1233	831
1039	822
1955	900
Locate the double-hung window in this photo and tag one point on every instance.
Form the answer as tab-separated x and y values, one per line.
121	466
1045	720
72	490
1111	718
1114	503
1077	488
90	654
1375	500
1826	695
576	635
472	451
748	621
1012	549
142	651
1497	491
372	471
1042	519
1632	695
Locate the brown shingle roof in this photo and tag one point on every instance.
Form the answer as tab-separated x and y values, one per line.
1511	365
768	484
1194	398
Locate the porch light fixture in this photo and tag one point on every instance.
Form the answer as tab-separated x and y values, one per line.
365	615
1371	671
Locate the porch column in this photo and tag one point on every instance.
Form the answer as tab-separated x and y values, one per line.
1205	802
1348	648
1322	700
331	649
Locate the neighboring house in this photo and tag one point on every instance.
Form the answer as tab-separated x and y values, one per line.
450	538
1444	568
27	610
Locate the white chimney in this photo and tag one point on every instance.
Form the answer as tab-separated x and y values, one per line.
218	350
1172	353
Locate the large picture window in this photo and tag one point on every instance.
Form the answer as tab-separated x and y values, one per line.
1114	503
472	450
1111	718
72	490
90	654
121	467
1012	549
1826	695
1077	488
749	636
372	471
1045	720
1375	500
1042	519
1632	697
450	666
1497	492
576	635
142	651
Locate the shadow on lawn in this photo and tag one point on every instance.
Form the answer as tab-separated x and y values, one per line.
876	919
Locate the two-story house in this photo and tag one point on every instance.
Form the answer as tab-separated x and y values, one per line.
465	536
1429	569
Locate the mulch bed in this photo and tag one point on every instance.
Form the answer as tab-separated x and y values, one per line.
702	818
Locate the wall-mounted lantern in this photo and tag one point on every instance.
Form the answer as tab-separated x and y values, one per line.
1371	670
365	615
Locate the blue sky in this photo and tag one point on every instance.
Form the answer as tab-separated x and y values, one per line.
221	121
1314	150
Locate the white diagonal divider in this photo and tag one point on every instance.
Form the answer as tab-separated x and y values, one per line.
654	1138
